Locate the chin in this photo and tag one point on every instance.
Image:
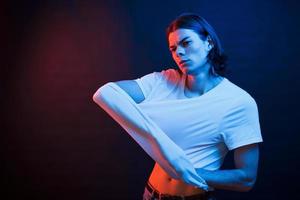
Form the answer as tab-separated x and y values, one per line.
187	70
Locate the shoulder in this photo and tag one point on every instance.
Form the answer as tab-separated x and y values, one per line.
171	75
238	92
240	97
166	75
170	72
158	81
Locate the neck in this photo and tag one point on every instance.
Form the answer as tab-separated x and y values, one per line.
201	81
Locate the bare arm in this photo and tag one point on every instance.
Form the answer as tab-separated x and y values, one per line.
242	178
132	89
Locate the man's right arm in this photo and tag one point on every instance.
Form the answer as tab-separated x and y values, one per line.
121	105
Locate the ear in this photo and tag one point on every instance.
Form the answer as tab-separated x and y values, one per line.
209	43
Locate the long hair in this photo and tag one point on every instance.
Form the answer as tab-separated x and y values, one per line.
216	56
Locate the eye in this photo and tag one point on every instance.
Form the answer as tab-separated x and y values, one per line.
186	43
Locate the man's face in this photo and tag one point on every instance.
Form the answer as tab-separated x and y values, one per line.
188	50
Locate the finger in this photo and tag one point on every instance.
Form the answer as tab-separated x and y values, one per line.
199	185
197	177
195	182
198	181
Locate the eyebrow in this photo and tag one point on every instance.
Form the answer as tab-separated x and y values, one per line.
180	41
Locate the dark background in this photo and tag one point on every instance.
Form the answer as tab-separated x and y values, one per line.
58	144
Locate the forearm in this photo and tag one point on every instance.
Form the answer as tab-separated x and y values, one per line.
233	179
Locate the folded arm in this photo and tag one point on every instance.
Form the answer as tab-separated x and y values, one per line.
123	109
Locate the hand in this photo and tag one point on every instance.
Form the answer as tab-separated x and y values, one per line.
185	170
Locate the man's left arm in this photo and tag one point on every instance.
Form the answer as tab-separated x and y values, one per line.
242	178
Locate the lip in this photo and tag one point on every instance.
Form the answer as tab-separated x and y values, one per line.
183	62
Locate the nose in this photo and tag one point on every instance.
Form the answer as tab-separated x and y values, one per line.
179	51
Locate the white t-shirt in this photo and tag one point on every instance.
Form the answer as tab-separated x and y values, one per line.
206	126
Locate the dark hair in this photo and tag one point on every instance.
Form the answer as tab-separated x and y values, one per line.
216	56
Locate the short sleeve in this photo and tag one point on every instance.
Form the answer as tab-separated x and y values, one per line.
148	82
240	125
